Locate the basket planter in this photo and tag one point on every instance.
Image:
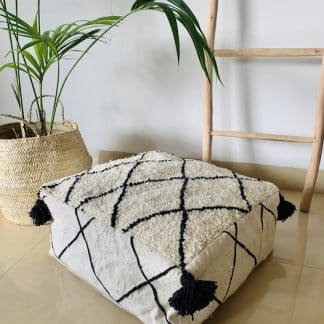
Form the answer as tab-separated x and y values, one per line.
27	163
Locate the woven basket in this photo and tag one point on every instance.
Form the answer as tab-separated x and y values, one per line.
27	163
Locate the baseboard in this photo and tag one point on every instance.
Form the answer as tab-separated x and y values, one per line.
283	177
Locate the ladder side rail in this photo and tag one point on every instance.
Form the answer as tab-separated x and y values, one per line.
207	125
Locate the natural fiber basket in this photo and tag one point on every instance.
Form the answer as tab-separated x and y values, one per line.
27	163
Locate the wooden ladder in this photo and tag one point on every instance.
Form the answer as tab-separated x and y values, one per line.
317	139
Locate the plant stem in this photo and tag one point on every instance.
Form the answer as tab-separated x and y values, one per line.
29	76
42	115
19	89
39	16
17	74
56	97
11	33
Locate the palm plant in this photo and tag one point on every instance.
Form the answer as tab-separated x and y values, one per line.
35	52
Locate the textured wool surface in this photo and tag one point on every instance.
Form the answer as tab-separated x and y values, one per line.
118	226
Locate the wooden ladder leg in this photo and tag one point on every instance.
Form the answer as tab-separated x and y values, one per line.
312	172
207	126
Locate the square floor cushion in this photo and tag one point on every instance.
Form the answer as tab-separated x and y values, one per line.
165	238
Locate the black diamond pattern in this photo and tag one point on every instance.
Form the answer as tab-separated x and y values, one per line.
182	210
155	293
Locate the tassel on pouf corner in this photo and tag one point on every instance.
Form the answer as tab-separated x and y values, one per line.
194	295
285	209
40	213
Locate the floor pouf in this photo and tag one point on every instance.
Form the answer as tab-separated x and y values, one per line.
167	239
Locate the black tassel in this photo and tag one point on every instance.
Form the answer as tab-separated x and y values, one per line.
194	295
40	213
285	209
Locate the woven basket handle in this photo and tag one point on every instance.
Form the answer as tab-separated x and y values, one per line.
45	96
22	122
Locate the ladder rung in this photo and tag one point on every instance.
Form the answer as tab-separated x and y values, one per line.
269	52
261	136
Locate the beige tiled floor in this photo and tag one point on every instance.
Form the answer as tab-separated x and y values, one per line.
287	288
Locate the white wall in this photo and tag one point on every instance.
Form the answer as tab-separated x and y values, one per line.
131	96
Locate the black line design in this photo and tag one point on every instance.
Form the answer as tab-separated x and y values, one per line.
243	247
270	211
217	300
88	199
261	216
126	163
221	177
162	213
210	178
147	218
90	257
234	262
177	210
56	184
184	218
155	294
132	184
89	172
145	283
67	197
245	211
250	179
122	194
81	175
76	237
242	191
184	213
110	168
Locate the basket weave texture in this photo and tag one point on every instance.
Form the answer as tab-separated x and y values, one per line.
27	163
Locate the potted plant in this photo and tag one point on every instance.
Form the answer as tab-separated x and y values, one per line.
35	152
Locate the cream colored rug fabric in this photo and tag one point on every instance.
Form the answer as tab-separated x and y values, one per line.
166	238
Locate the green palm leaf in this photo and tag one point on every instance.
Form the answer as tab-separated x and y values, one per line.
37	52
178	11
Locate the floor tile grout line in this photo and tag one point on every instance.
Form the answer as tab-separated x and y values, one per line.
298	265
24	256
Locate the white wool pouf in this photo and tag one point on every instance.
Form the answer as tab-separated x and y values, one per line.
167	239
